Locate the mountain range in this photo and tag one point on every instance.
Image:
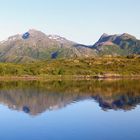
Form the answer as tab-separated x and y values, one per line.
35	45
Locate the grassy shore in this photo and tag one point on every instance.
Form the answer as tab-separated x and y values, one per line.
99	67
64	78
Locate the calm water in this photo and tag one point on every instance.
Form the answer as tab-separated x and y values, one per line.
83	110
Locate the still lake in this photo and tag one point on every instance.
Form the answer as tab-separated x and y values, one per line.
70	110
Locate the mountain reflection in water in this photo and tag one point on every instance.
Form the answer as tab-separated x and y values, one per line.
36	97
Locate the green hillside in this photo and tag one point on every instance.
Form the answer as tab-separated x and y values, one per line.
99	66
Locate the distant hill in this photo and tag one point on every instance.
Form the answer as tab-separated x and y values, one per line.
35	45
123	44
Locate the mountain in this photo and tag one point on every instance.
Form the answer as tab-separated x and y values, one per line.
124	44
35	45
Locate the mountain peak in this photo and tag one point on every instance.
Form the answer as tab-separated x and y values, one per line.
104	35
33	31
34	34
126	35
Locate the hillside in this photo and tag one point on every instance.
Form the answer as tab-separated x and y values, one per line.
92	67
36	46
124	44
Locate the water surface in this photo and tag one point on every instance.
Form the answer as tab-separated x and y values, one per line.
70	110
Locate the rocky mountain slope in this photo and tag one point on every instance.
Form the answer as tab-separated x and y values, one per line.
35	45
123	44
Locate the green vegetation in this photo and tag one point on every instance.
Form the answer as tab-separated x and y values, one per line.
107	65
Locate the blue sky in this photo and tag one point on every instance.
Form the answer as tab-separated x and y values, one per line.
79	20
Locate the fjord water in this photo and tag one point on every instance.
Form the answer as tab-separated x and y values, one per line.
70	110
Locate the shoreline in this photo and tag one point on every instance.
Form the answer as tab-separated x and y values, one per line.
67	77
